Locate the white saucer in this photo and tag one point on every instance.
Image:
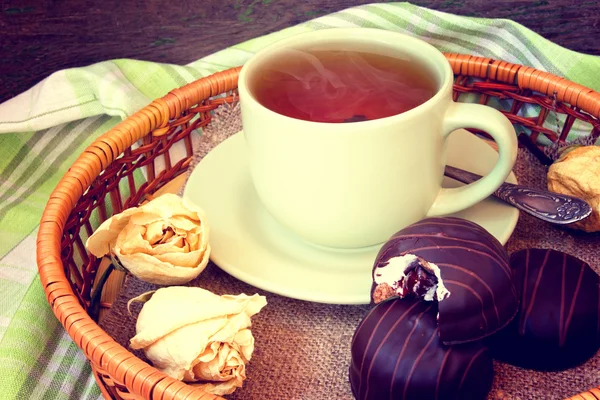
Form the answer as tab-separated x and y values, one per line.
249	244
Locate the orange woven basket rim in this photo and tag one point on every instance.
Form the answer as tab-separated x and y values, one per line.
101	349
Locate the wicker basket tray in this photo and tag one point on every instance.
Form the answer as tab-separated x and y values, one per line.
102	182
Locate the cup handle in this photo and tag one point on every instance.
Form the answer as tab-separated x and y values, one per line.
490	120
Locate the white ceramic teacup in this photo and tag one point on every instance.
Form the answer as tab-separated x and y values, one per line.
349	185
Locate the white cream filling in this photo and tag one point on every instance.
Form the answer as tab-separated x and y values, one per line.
395	271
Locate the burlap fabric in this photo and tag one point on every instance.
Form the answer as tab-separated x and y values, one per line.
303	349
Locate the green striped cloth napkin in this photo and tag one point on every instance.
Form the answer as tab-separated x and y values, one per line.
47	127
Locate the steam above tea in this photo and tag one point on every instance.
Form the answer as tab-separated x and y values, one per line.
341	86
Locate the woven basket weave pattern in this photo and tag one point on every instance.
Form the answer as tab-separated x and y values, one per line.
102	182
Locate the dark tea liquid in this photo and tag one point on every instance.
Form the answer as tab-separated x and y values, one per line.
341	86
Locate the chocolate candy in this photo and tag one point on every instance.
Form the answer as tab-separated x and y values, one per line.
397	354
459	264
557	326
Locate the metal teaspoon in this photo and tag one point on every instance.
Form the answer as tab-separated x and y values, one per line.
547	206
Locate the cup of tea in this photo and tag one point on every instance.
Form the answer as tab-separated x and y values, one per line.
346	131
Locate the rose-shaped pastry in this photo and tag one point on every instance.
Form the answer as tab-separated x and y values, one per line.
164	241
197	336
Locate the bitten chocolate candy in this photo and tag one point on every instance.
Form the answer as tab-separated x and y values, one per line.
459	264
397	354
557	326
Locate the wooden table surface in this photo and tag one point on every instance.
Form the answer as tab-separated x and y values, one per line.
38	37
